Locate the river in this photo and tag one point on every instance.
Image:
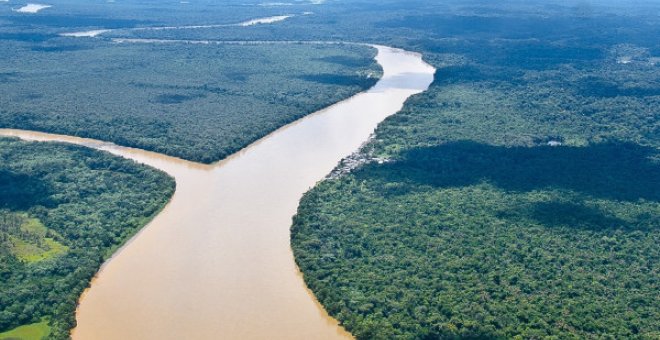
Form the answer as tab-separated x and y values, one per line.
216	263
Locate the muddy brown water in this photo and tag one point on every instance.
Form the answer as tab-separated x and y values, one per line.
216	263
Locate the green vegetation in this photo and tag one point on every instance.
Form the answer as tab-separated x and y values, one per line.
28	239
198	102
403	250
63	210
35	331
476	227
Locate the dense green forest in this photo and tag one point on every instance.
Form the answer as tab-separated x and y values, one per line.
198	102
521	194
63	210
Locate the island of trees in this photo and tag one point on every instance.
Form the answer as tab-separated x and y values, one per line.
196	102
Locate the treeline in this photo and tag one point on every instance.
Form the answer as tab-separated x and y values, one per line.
520	199
63	209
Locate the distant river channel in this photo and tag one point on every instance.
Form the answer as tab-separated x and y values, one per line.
216	263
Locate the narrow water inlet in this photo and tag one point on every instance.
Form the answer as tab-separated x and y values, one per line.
216	263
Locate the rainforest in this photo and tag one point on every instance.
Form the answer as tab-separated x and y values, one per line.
330	169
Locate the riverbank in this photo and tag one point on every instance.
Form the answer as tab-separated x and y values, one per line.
217	262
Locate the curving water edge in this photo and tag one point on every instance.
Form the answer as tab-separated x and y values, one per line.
247	23
216	262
